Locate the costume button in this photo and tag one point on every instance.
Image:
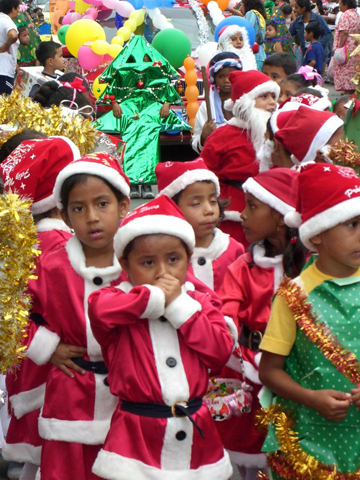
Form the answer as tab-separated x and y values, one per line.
181	435
162	318
171	362
201	261
98	280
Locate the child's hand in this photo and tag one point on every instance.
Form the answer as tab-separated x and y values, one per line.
165	110
331	404
209	127
170	286
117	110
355	397
62	356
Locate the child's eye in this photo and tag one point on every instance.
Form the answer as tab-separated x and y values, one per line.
352	224
173	259
195	204
213	202
78	209
103	204
148	263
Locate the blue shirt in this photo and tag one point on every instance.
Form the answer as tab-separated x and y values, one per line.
315	52
298	29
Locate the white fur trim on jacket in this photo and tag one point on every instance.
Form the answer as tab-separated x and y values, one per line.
48	224
233	330
327	219
156	304
181	309
116	467
188	178
43	345
248	460
28	401
322	137
253	187
232	216
261	260
21	452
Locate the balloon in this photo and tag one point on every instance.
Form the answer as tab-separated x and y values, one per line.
108	58
125	33
173	44
118	40
189	63
110	3
192	109
131	25
67	19
114	50
138	16
206	53
62	33
81	6
150	4
100	47
191	93
191	77
233	20
223	4
81	32
232	3
191	122
74	17
98	88
137	4
124	8
104	14
88	59
94	2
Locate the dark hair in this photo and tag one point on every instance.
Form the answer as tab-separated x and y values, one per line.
6	6
257	5
51	93
340	101
222	202
349	3
286	9
129	247
48	214
271	23
70	77
46	50
15	141
312	91
283	60
314	28
22	29
36	9
300	81
80	178
304	4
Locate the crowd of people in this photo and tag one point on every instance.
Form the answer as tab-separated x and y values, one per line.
215	327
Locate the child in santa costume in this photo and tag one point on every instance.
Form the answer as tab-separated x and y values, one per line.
92	193
159	337
247	291
234	38
230	151
195	189
31	170
311	345
220	68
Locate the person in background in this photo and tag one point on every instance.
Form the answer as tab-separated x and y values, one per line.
24	39
287	12
339	106
279	66
314	55
233	38
50	57
254	12
9	44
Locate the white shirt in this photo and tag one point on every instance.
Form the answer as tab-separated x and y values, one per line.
8	60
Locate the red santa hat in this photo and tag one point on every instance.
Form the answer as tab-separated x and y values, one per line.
159	216
99	164
31	169
173	177
309	100
280	118
247	86
327	195
277	188
303	142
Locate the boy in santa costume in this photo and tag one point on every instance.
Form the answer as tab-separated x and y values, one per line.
196	190
159	337
31	170
92	193
311	345
234	38
230	151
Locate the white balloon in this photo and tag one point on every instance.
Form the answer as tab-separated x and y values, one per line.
206	52
212	6
233	3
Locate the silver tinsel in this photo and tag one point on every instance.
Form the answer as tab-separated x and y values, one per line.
3	396
104	144
204	31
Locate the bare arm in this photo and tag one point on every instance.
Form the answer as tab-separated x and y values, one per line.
343	37
11	38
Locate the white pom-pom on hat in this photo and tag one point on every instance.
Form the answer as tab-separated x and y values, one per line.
293	219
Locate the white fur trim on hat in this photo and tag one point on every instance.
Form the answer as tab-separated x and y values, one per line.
328	219
153	225
90	168
43	205
322	137
188	178
253	187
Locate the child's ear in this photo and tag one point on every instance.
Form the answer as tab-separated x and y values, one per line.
65	217
316	240
124	264
278	217
124	207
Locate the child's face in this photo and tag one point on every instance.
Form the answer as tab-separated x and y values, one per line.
287	90
259	221
200	207
277	74
339	248
94	213
266	102
237	40
153	256
222	79
308	36
24	37
270	32
57	62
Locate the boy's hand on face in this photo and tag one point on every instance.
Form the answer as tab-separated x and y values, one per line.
170	286
331	404
355	397
62	356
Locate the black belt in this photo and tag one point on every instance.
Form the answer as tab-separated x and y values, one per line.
160	410
233	183
250	338
95	367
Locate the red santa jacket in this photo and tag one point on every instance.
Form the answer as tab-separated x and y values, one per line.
159	355
210	264
78	409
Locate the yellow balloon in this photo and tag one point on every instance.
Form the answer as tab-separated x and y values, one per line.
100	47
118	40
83	31
98	88
81	6
114	50
125	32
131	25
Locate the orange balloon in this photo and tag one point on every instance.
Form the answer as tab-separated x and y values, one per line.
205	2
190	77
189	63
222	4
192	109
191	122
191	93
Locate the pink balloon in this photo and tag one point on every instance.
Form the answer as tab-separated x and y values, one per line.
111	3
124	8
67	19
108	58
94	2
72	5
91	11
88	59
75	16
104	14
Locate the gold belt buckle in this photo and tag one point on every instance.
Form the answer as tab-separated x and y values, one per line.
253	332
173	412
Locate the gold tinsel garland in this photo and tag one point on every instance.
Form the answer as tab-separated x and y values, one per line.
318	332
18	250
24	113
345	153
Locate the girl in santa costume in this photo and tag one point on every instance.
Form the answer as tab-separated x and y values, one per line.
230	151
234	38
220	68
92	193
247	291
311	345
195	189
159	337
31	170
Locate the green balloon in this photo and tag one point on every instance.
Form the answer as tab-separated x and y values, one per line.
62	33
173	44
